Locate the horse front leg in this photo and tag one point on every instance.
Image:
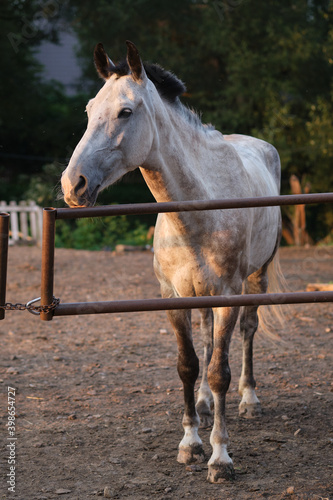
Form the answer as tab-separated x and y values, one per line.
190	447
220	466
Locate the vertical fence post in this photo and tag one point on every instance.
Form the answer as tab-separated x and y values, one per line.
49	220
24	228
33	221
4	238
14	221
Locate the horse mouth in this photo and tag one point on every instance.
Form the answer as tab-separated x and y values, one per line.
85	201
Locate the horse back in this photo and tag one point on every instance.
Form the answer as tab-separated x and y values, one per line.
257	156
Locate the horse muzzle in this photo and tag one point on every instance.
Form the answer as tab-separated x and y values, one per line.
80	195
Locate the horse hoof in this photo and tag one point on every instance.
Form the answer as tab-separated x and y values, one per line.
206	421
219	473
191	454
250	410
206	416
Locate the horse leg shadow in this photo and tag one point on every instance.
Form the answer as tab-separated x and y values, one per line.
205	401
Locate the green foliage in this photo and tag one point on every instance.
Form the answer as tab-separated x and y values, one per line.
98	234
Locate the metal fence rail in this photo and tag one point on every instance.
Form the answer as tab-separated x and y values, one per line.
118	306
187	206
49	223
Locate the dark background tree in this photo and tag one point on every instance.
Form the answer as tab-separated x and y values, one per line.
37	123
263	68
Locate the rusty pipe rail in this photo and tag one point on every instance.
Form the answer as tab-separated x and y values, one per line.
4	239
184	206
119	306
51	214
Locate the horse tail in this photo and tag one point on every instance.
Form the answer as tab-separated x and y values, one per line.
273	317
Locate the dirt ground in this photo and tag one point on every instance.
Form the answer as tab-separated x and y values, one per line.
99	402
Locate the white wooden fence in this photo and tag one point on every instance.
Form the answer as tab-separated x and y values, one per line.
26	221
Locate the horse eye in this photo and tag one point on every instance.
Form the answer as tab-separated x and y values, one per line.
125	113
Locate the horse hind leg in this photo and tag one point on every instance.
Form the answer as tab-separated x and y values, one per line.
190	448
205	396
250	406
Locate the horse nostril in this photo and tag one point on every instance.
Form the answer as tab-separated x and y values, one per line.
81	186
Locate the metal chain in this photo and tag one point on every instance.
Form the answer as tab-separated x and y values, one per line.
31	308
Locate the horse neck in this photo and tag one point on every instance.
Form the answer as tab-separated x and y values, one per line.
176	167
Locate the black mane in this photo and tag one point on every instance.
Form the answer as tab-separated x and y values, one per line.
167	84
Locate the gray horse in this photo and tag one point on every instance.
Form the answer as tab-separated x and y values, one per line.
137	121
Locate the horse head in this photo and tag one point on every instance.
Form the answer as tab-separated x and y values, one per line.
119	133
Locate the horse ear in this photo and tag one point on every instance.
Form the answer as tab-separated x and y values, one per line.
135	63
103	63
